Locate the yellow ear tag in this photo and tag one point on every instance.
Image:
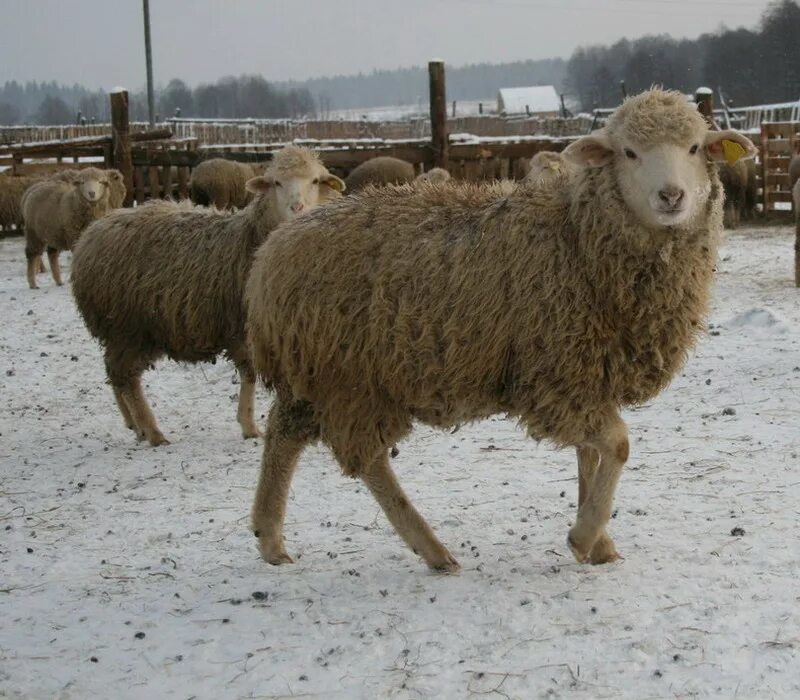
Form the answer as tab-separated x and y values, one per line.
732	151
555	166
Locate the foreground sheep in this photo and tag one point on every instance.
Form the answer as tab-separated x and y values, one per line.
221	183
168	279
548	164
557	305
57	211
380	171
11	191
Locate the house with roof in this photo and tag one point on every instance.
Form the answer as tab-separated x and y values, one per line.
537	100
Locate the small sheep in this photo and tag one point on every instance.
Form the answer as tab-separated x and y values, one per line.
116	184
734	180
548	164
11	191
221	183
168	279
56	212
435	175
380	171
557	305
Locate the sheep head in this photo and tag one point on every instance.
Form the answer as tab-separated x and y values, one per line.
92	184
296	181
659	146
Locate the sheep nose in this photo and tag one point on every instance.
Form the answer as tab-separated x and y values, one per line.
671	195
297	207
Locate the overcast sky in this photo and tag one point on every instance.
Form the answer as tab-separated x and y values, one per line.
99	43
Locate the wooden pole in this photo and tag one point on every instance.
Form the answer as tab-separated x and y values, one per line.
704	97
121	141
438	114
148	57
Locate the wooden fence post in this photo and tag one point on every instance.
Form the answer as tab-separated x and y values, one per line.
704	97
121	141
438	114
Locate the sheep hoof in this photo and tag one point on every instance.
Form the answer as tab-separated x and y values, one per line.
252	433
603	551
275	555
449	566
157	439
580	557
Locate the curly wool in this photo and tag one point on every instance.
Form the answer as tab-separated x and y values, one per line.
12	190
221	183
545	302
383	170
655	116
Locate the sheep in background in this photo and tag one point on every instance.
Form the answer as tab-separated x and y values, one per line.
794	169
734	179
222	183
380	171
56	212
168	279
435	175
11	191
557	305
548	164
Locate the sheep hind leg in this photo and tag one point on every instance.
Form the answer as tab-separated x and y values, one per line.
410	525
603	549
587	537
246	411
55	266
33	266
290	427
126	413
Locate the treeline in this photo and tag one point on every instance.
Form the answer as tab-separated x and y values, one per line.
230	97
759	66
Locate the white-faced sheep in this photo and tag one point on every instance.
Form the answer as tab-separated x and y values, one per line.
557	305
435	175
221	183
380	171
116	184
168	279
548	164
56	212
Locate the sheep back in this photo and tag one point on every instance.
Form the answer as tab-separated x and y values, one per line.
221	183
449	305
383	170
12	190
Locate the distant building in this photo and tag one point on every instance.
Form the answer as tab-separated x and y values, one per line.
538	100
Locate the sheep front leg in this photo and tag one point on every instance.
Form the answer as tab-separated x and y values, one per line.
126	412
597	482
246	411
139	411
32	269
603	549
290	427
410	525
55	265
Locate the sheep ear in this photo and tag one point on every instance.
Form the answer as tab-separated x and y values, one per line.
260	184
333	182
593	151
728	145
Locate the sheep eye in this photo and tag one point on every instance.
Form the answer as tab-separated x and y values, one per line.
693	149
277	183
315	181
630	154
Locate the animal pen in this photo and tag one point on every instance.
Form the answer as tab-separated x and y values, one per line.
157	163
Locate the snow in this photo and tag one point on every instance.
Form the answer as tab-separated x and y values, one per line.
141	558
518	100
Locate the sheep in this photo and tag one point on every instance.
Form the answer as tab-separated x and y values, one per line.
557	304
794	169
796	205
116	182
734	178
548	164
11	191
435	175
56	212
221	183
383	170
168	279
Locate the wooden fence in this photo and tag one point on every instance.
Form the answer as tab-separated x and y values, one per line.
779	142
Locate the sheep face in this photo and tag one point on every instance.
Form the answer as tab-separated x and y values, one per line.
92	185
295	193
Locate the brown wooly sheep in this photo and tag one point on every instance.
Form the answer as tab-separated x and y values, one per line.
221	183
116	182
11	191
380	171
794	169
434	175
557	304
57	211
734	178
548	164
168	279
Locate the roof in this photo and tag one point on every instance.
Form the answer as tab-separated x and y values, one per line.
538	98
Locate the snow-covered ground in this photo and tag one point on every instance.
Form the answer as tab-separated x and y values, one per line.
130	572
